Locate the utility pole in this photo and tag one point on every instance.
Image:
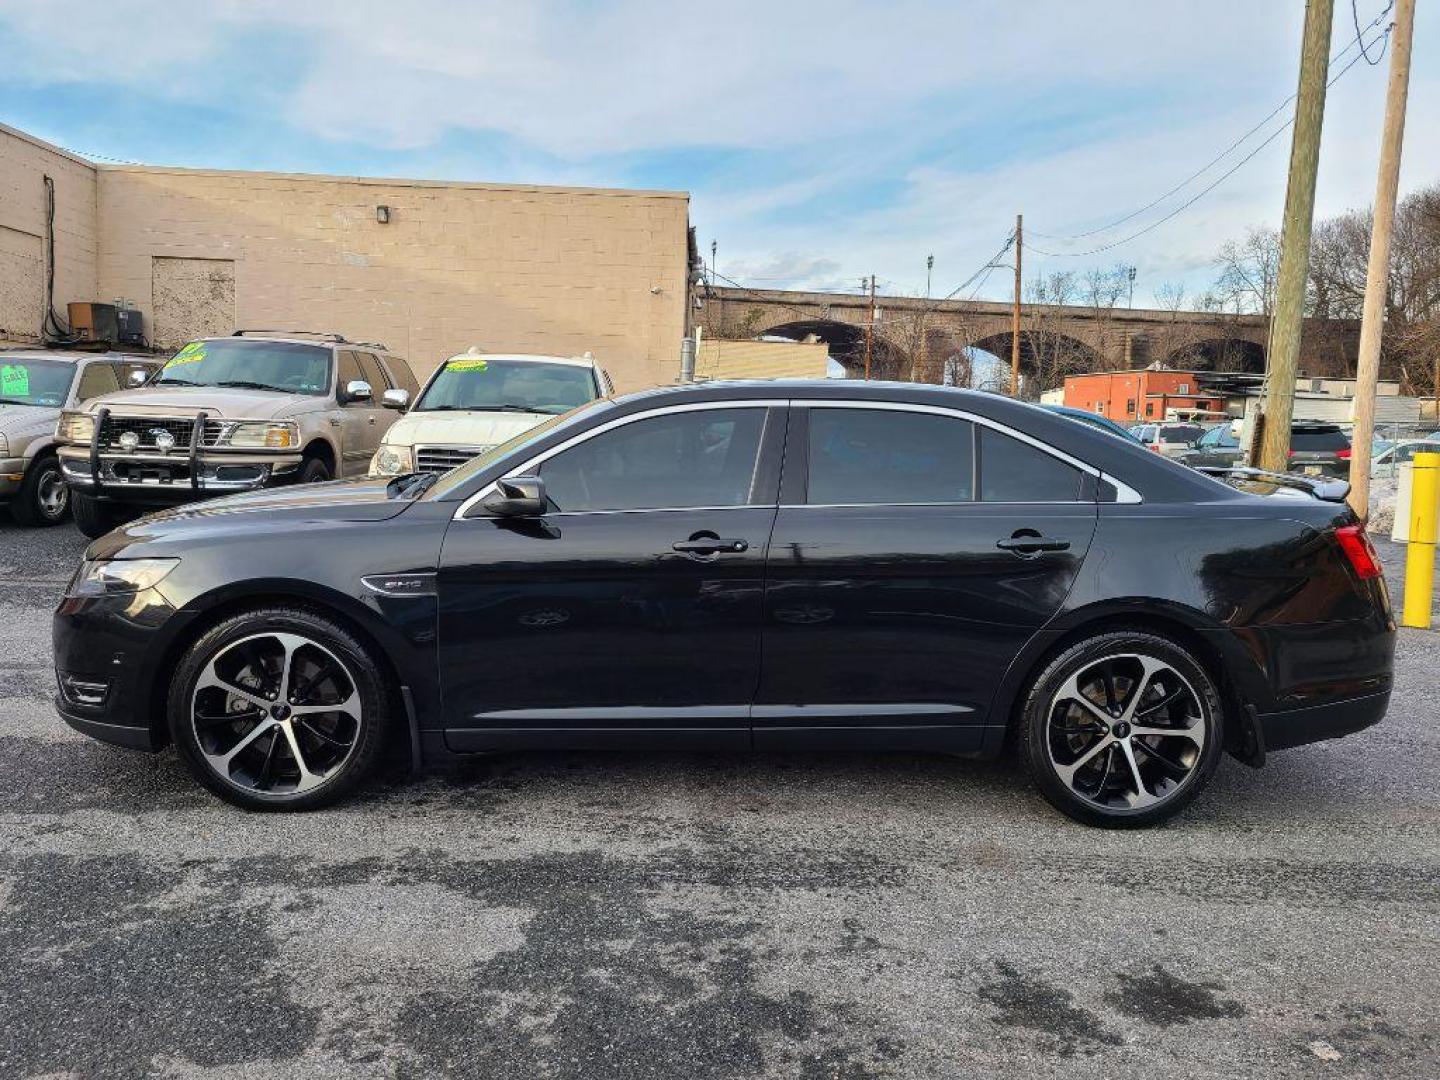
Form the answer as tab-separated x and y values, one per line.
870	328
1372	323
1288	321
1015	313
1130	276
924	326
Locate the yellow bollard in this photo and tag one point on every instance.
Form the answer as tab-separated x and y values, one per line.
1420	554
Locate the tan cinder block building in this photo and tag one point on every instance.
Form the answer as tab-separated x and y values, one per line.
511	268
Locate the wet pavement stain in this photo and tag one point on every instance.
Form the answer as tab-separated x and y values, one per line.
102	971
1164	1000
1031	1003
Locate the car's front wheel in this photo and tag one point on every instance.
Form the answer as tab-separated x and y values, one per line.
1122	729
43	498
279	709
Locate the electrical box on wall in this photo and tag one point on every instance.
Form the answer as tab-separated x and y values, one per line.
95	323
131	326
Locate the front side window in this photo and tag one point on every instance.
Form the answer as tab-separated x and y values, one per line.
250	364
374	374
888	456
350	371
97	379
26	381
1015	471
701	458
489	384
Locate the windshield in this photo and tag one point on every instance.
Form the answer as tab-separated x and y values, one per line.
456	477
482	383
249	364
34	382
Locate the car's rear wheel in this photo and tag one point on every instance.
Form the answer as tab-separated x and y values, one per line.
43	498
1123	729
278	709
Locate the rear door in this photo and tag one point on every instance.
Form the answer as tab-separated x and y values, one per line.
915	552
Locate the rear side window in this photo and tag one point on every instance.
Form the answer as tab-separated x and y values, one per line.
889	456
1015	471
403	376
1180	433
1333	439
699	458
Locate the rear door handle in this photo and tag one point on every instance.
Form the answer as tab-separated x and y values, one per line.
709	545
1029	545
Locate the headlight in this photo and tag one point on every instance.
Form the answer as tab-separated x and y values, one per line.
264	435
117	576
393	459
75	427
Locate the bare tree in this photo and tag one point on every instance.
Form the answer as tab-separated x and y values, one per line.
1248	272
1053	353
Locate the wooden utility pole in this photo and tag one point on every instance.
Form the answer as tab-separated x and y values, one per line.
1288	321
870	329
1372	323
1015	312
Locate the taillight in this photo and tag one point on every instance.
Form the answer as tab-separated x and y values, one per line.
1155	446
1357	548
1343	455
1290	452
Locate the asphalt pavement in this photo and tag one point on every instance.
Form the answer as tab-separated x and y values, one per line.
660	916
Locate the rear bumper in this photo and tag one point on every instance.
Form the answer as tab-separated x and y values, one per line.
1296	727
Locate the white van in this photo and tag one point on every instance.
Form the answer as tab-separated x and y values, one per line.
475	401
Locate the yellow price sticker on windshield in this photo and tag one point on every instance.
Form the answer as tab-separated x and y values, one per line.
190	354
14	381
469	363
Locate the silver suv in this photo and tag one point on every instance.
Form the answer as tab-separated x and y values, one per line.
231	414
35	386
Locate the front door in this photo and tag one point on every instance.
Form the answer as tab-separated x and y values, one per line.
915	553
632	611
360	421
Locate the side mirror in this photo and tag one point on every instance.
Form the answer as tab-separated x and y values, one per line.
137	376
517	496
396	399
357	390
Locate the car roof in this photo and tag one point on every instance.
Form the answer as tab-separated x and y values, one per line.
323	340
73	355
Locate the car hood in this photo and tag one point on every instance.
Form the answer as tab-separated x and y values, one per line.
461	428
274	509
216	401
26	421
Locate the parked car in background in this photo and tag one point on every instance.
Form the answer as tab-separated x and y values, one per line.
476	401
1104	423
231	414
1169	439
1316	449
36	385
1220	446
796	565
1387	462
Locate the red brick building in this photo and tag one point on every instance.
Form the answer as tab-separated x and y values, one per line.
1137	396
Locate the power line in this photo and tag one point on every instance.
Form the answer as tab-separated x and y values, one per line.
988	266
1355	15
1198	195
1359	38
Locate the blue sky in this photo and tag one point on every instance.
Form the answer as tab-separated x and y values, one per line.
820	142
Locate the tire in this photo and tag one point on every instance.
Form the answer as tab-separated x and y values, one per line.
43	498
239	736
1088	753
93	517
313	471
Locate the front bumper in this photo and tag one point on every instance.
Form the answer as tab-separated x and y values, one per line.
111	647
167	478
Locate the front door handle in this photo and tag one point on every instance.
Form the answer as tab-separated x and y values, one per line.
711	545
1031	543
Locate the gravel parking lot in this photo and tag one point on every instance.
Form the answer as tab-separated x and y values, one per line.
646	916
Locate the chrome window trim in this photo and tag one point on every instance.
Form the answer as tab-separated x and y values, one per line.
620	421
1124	493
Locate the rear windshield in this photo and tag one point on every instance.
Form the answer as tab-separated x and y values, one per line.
248	364
481	383
1180	433
1333	439
24	381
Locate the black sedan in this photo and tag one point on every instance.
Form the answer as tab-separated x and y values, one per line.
772	566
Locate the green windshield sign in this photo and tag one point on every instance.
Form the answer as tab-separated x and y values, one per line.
14	381
190	354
